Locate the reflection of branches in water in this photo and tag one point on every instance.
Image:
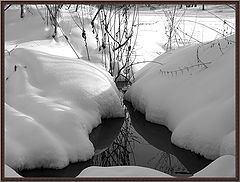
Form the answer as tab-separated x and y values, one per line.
167	163
122	147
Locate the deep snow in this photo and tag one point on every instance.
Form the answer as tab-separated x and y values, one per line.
196	104
52	101
222	167
121	171
48	96
46	86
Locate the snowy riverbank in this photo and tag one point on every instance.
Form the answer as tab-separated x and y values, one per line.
53	100
195	103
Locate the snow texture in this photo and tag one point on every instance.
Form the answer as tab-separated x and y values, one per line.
121	171
52	104
223	166
52	100
196	104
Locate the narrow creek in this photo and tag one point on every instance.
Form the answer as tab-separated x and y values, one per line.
131	141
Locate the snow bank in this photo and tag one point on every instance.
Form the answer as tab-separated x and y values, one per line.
52	104
52	101
197	105
121	171
9	172
223	166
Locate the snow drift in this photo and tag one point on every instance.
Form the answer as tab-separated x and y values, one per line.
196	104
51	105
223	166
121	171
52	100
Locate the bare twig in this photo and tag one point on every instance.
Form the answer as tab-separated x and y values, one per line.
121	45
138	24
224	21
9	52
63	32
198	59
101	7
182	69
206	27
220	48
40	14
231	7
7	7
188	35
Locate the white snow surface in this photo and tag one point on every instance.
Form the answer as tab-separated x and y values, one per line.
52	104
121	171
198	105
50	108
52	100
223	166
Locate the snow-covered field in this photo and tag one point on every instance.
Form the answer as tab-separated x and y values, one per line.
193	25
53	100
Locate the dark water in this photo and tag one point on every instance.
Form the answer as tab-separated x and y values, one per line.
132	141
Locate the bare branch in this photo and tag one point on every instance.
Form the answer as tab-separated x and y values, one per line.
63	32
123	43
198	59
7	7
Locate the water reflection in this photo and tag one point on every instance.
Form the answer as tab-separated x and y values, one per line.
104	135
170	159
132	141
120	151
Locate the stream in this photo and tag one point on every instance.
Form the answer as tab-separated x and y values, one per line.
131	141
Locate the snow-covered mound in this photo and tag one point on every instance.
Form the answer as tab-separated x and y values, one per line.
196	104
51	105
223	166
121	171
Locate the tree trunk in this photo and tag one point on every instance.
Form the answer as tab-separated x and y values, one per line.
22	11
203	7
55	17
76	8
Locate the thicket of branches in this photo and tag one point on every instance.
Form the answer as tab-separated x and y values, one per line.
115	33
116	29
